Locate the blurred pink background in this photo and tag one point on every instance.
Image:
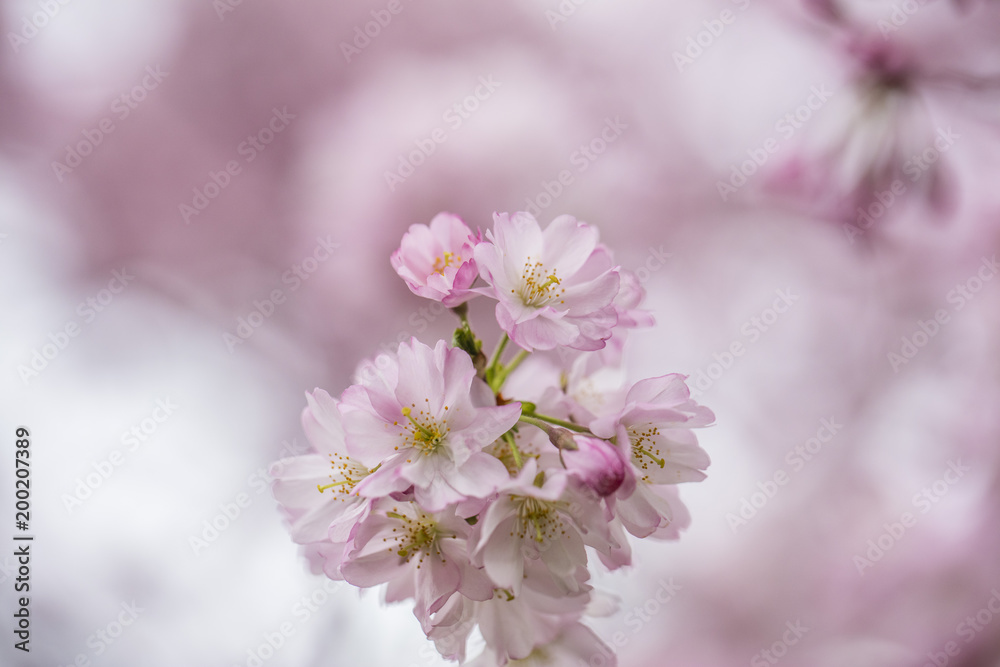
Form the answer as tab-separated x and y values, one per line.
207	194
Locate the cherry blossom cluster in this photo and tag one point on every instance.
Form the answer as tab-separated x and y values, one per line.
481	488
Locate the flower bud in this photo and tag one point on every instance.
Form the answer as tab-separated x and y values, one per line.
597	463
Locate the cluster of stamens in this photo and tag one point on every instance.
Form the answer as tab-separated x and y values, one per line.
345	476
423	431
644	447
537	519
449	259
416	536
502	450
540	286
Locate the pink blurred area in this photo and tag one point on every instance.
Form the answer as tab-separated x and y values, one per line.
264	159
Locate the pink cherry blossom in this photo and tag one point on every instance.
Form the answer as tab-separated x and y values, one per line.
538	517
630	296
575	646
431	480
418	420
419	554
317	491
513	624
655	428
437	261
555	287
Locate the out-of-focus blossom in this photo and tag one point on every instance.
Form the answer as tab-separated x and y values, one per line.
889	126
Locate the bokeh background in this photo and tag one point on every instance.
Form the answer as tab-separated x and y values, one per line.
166	166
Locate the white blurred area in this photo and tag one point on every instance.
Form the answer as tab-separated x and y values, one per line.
653	189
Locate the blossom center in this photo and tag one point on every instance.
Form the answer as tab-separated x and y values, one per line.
416	536
345	476
539	286
537	519
442	263
644	447
539	656
423	432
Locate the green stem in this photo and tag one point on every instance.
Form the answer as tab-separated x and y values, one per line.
497	353
462	311
541	420
502	374
514	451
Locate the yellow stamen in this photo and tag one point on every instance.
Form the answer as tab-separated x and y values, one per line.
643	450
330	486
440	264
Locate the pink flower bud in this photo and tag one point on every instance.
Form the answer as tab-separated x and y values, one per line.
597	463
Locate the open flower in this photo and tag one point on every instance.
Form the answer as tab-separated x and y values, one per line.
419	554
513	625
537	517
436	261
555	288
418	420
654	428
575	646
317	490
